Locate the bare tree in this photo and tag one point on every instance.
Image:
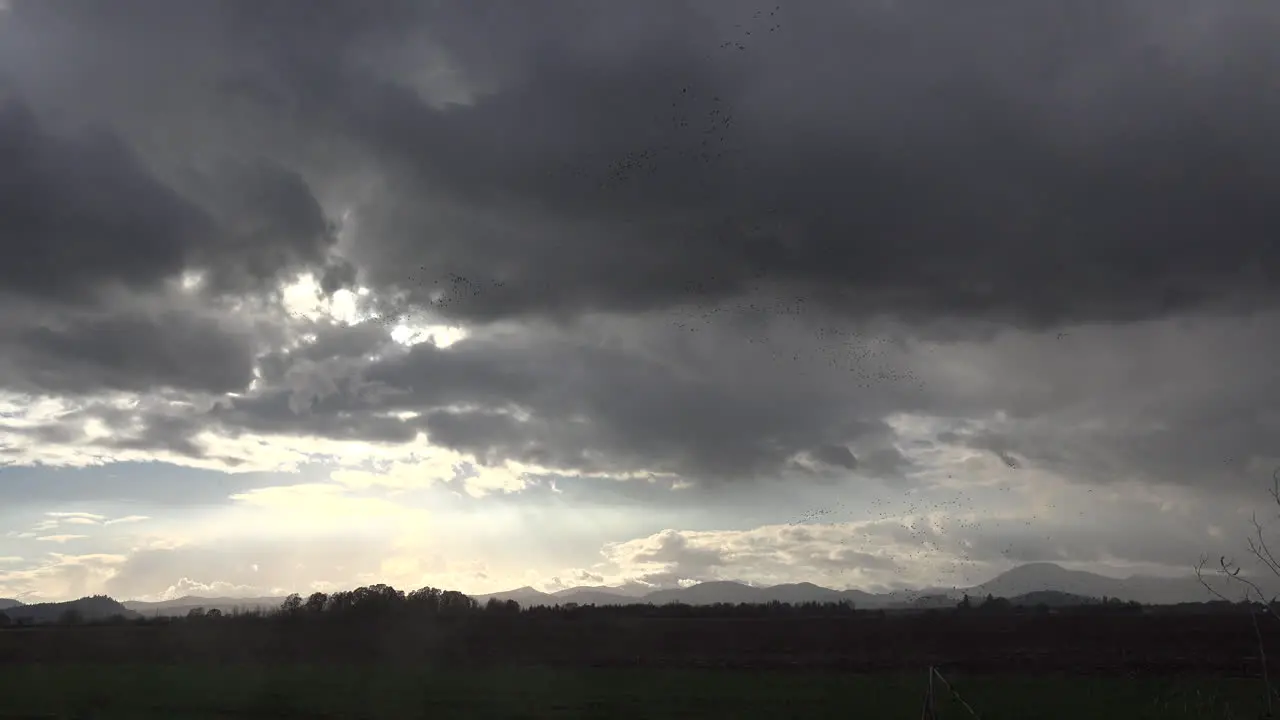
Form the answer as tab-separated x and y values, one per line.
1251	589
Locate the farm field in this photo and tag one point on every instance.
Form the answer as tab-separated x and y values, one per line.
603	666
1104	645
387	691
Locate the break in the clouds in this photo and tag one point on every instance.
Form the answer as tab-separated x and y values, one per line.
689	269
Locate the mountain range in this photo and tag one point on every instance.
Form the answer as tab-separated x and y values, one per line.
184	605
1020	582
1029	584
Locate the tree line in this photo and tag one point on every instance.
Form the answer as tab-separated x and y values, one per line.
382	602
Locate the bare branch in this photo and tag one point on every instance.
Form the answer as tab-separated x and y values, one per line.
1259	548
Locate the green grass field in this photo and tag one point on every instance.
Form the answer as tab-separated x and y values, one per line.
193	691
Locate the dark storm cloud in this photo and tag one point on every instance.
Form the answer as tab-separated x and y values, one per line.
617	397
80	211
126	350
97	227
557	400
1188	401
645	396
1127	534
837	455
94	243
1016	162
1232	450
1111	161
1001	162
316	414
271	223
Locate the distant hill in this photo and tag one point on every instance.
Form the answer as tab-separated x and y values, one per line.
592	596
183	605
808	592
586	595
708	593
1034	577
526	596
89	609
1053	599
1031	584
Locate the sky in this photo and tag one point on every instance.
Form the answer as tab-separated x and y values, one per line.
478	295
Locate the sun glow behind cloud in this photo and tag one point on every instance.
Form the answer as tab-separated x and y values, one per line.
304	298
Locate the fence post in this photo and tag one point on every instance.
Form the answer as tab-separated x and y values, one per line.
929	712
954	695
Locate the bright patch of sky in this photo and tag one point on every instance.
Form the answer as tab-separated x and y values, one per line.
304	298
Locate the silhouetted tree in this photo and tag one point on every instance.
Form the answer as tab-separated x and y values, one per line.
316	603
377	601
5	621
424	600
340	602
994	604
455	603
508	607
292	605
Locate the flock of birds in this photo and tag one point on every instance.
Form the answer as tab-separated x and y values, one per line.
708	117
747	30
699	129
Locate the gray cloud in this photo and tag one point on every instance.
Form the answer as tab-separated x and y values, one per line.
99	230
82	213
920	203
271	223
836	455
79	213
1109	161
588	399
717	260
97	244
934	547
715	406
125	348
1186	401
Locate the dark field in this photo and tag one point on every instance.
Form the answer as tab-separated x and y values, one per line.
1106	644
372	691
538	667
